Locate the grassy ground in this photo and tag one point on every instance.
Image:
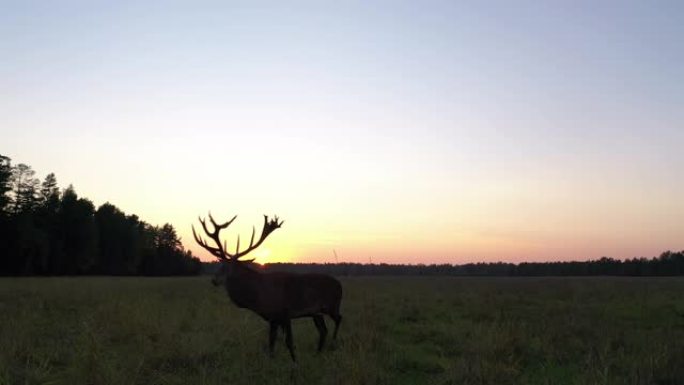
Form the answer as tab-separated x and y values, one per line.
395	331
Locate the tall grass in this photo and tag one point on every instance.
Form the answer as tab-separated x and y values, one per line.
395	331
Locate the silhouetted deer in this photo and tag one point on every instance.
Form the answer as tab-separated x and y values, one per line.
277	297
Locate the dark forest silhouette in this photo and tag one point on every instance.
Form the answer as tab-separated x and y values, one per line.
48	231
667	264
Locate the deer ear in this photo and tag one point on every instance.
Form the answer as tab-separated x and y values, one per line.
247	260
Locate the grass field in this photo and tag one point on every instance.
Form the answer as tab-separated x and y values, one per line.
395	331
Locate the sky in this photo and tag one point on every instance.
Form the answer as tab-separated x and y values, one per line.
399	132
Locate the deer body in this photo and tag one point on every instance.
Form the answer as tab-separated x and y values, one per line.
278	297
279	294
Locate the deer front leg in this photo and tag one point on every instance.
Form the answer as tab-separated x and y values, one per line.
273	333
288	338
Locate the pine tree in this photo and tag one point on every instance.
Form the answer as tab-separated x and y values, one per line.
24	188
49	192
5	183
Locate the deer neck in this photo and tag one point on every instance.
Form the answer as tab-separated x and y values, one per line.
242	285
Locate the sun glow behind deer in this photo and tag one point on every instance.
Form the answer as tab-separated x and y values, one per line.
262	255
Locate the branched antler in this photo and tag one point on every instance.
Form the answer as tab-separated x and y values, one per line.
220	251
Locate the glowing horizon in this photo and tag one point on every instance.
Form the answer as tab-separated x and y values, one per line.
392	132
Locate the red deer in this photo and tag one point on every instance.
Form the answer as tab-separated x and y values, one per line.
278	297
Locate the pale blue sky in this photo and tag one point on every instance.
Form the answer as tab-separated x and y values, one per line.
409	131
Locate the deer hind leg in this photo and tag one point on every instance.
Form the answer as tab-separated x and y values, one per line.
273	333
337	317
288	339
322	330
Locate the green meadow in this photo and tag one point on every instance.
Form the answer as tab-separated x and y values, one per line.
410	330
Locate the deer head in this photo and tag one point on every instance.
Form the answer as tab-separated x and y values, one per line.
220	251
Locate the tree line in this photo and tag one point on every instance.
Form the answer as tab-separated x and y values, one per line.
667	264
48	231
